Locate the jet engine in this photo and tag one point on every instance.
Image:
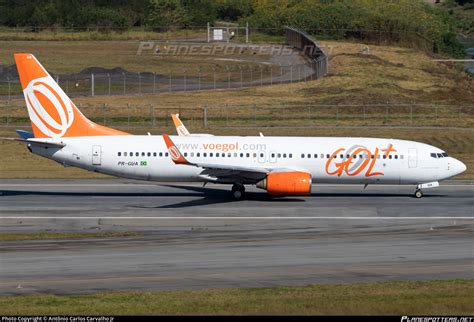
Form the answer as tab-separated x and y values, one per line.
286	183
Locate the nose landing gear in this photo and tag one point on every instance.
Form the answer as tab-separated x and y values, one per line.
418	193
238	191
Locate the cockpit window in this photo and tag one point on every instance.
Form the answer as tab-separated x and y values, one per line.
445	154
440	155
433	155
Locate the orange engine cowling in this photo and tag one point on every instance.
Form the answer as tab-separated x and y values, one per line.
286	183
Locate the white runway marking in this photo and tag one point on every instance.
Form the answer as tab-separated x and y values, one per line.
241	218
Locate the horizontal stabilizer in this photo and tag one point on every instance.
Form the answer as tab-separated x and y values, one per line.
25	134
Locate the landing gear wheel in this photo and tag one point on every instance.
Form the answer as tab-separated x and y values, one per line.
238	191
418	193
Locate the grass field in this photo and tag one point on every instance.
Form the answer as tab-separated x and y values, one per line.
451	297
19	236
388	74
62	34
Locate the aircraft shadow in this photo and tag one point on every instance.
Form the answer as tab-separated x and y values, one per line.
209	196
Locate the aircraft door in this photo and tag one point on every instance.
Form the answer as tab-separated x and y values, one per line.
96	155
412	158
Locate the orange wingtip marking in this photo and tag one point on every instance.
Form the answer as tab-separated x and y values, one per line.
174	152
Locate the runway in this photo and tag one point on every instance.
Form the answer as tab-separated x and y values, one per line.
195	237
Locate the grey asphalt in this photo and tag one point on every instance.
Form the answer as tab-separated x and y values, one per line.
195	237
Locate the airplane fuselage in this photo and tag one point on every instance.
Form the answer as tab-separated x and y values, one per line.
327	159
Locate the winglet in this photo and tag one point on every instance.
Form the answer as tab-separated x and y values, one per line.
175	154
180	128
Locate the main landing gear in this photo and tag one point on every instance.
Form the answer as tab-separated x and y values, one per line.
238	191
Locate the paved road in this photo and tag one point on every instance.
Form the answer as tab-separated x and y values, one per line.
194	237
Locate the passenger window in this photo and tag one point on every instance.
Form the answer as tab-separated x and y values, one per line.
217	155
211	154
360	156
235	154
284	155
354	156
328	156
261	155
378	156
384	156
248	155
192	154
198	154
342	156
273	155
290	156
185	154
309	156
241	155
315	155
120	154
255	155
223	155
137	154
143	154
396	157
154	154
322	156
302	156
390	156
229	155
149	154
372	157
125	154
401	156
166	154
204	154
279	155
161	154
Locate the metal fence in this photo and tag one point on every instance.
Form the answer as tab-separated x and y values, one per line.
310	48
265	116
187	79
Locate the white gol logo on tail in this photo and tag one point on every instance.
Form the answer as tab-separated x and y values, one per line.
174	153
40	116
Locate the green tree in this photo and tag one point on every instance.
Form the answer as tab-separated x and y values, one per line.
166	13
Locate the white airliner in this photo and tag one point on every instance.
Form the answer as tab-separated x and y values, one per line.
281	165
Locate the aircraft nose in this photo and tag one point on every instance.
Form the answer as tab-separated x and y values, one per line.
459	167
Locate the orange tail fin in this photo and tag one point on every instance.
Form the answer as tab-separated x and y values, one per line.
51	111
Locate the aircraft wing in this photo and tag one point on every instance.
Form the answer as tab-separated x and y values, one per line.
38	142
182	130
220	171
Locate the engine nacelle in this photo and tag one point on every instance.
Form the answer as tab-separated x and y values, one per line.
286	183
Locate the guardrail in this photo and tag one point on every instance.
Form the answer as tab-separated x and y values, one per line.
310	48
265	116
